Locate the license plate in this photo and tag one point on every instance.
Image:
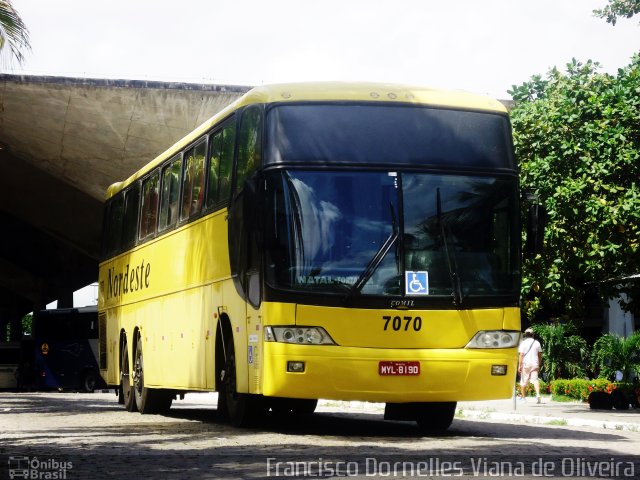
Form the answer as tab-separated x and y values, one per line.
398	368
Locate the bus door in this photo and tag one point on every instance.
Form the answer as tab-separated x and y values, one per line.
244	238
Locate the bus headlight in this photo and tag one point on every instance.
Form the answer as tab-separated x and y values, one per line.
298	335
494	339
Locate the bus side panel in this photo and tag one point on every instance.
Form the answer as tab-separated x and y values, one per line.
164	289
254	348
177	358
174	337
235	309
112	374
212	300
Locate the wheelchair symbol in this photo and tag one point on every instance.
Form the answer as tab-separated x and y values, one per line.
417	283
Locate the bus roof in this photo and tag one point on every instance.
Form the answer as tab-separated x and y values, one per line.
326	92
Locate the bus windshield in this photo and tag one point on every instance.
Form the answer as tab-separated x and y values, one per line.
366	233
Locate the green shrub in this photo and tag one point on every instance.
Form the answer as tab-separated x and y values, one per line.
580	389
576	388
613	355
559	386
564	351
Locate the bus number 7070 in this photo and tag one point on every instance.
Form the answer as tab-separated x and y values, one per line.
396	323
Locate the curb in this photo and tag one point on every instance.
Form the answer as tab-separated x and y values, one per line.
546	420
490	414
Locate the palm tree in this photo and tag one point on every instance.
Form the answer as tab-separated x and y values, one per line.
612	353
564	352
13	32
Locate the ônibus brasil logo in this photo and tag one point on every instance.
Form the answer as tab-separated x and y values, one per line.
34	468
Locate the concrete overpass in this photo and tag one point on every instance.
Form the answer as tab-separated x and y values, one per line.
62	142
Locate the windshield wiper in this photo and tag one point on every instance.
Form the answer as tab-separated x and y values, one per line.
377	259
452	263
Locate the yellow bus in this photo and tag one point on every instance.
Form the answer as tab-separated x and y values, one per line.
319	241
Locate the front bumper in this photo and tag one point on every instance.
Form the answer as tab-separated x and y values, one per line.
351	373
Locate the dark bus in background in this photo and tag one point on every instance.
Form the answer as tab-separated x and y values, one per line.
65	346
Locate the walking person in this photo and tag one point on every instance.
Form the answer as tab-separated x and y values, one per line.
529	362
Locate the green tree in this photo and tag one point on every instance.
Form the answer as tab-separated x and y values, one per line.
618	9
612	353
27	324
577	138
564	351
13	32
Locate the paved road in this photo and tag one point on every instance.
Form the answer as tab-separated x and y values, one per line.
93	437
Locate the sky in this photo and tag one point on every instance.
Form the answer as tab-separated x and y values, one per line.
481	46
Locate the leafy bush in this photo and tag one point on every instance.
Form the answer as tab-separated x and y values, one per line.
564	351
580	389
576	388
612	353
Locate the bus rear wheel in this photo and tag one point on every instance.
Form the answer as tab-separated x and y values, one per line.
241	409
128	397
148	400
435	417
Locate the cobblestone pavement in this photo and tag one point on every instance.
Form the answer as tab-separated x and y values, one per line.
72	435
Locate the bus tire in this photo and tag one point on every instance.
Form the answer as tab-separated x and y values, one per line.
241	409
303	406
435	417
128	396
89	382
149	400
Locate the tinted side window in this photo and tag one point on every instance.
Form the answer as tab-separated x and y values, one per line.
193	181
169	194
114	225
130	224
213	179
220	164
226	163
249	144
149	210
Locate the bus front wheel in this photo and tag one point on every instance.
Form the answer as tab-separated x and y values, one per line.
241	409
435	417
149	400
